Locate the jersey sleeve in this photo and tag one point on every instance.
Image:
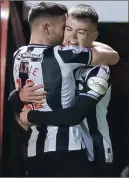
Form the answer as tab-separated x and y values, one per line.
14	99
72	54
15	102
95	86
97	82
20	49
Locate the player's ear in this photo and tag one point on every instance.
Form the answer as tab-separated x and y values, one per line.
47	28
95	35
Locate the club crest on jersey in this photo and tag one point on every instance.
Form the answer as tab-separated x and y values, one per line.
97	84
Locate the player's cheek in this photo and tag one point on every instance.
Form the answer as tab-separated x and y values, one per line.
66	35
82	41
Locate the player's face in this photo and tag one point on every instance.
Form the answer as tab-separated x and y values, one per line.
79	32
57	33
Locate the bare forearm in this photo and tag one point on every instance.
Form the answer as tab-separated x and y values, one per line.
103	55
99	44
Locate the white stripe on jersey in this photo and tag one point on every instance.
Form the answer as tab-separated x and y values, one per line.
67	82
50	141
75	139
87	140
32	142
101	113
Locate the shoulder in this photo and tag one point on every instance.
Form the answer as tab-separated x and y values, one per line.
96	79
21	49
99	71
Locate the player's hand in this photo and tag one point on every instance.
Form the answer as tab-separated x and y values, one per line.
29	94
23	117
25	127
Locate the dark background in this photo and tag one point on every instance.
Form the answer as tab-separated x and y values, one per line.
117	36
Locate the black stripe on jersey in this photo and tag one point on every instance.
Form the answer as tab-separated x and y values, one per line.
92	72
69	57
52	85
76	81
41	138
62	139
97	137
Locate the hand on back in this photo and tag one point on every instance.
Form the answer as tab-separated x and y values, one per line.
30	94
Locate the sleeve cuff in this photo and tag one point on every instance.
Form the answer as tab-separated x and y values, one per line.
32	116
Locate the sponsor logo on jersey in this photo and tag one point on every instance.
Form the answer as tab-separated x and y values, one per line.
97	84
28	56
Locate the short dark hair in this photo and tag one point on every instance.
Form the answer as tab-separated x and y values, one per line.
46	9
83	11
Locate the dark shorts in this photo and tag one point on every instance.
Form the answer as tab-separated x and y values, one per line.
102	169
60	164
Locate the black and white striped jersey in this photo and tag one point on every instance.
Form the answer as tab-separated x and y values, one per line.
92	132
94	129
54	67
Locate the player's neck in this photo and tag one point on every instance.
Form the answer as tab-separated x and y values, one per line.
38	39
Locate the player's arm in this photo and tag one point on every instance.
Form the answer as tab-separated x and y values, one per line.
104	54
64	117
97	55
15	101
96	85
27	94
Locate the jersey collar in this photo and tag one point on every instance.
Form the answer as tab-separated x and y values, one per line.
39	45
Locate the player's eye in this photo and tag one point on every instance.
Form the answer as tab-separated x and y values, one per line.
68	29
81	32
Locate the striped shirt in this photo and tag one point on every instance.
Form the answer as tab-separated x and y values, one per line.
92	132
94	128
54	67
